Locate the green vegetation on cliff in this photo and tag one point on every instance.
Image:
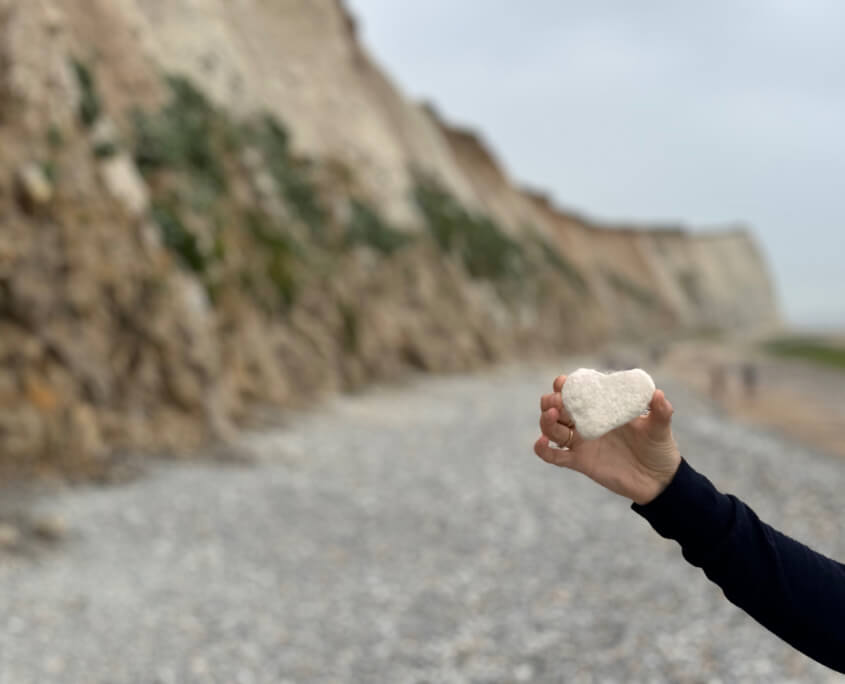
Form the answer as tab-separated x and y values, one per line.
485	249
241	211
282	254
188	152
189	135
689	283
563	266
627	287
367	227
178	238
812	349
292	175
90	106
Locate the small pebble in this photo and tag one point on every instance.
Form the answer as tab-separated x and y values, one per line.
50	528
10	535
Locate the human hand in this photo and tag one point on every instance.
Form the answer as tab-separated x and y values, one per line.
637	460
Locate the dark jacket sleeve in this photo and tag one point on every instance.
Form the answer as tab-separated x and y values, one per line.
788	588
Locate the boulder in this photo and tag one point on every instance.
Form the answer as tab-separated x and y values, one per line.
34	188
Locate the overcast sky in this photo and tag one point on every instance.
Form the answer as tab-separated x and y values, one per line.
705	113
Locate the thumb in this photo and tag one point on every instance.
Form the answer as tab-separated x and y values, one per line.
660	417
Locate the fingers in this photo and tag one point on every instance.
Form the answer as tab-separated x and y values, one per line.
660	417
554	401
551	401
550	454
551	427
548	401
557	385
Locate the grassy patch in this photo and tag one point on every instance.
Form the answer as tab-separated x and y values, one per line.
563	266
486	250
177	238
688	281
185	135
292	175
349	330
50	171
808	348
642	296
104	150
90	106
367	227
281	255
186	150
444	216
709	332
55	140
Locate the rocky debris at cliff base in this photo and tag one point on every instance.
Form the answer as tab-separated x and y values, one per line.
10	535
50	528
382	556
33	186
26	531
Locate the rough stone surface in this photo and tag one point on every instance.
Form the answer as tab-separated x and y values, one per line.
123	181
34	187
599	402
406	536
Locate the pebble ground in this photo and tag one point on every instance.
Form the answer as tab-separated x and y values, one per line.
406	535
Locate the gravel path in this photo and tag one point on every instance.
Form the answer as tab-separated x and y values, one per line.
407	535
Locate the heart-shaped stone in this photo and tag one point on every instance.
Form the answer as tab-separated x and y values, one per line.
599	402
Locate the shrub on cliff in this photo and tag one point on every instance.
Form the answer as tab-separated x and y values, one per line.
292	175
185	135
178	238
367	227
89	99
627	287
562	265
485	249
282	254
187	151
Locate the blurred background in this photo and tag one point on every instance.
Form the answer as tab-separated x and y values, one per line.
281	284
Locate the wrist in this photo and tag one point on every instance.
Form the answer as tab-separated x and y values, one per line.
656	482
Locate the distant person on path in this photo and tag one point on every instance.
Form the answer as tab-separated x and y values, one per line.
717	381
749	379
790	589
656	352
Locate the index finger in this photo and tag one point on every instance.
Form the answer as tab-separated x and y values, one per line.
548	401
558	383
555	401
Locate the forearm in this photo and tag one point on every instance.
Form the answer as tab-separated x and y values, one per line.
790	589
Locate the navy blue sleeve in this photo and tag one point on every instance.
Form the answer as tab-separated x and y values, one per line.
788	588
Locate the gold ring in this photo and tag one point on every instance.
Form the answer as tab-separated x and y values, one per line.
569	440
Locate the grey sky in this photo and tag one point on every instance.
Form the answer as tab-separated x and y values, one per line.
705	113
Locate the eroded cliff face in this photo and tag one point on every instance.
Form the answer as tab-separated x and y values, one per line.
208	205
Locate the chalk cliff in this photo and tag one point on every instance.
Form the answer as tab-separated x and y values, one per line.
209	205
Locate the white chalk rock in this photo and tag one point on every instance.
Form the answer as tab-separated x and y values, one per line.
599	402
